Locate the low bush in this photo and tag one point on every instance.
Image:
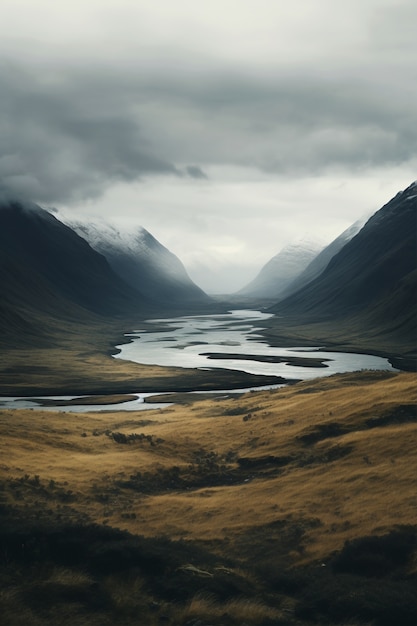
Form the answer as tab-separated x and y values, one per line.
377	556
335	600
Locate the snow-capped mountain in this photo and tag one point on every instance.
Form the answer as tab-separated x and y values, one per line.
320	262
49	275
372	281
282	269
138	258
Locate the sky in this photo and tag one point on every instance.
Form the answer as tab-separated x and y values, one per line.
228	129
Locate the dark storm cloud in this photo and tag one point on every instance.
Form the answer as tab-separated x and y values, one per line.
69	133
299	125
60	143
196	172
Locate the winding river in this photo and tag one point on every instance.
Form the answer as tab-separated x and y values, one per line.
231	340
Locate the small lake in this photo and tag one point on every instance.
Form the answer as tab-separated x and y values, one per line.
233	341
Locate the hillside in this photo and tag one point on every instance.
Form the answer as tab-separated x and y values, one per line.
141	261
276	275
320	262
370	285
289	507
46	269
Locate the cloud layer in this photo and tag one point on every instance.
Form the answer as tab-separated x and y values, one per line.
105	93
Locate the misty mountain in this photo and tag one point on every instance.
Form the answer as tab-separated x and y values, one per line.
281	270
372	279
320	262
46	269
141	261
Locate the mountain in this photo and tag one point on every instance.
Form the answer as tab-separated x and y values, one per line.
281	270
48	272
320	262
372	280
141	261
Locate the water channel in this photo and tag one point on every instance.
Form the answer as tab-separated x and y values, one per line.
209	341
232	341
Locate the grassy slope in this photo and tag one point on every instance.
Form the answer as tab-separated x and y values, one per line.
366	297
266	482
352	334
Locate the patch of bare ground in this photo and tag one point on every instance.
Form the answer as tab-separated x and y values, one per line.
290	506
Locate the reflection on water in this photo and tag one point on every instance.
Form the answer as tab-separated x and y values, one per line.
139	404
187	342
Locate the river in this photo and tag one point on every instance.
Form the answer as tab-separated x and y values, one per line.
232	341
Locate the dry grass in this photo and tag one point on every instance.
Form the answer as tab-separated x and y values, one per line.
263	458
263	488
204	606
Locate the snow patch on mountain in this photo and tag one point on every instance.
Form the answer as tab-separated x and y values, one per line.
318	264
140	259
282	269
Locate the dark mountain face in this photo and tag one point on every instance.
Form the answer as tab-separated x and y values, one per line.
320	262
374	275
46	268
142	262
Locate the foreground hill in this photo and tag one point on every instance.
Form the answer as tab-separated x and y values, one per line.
142	262
289	507
371	284
281	270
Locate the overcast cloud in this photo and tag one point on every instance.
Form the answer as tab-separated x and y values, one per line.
227	129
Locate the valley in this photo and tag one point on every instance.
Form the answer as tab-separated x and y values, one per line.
281	492
208	313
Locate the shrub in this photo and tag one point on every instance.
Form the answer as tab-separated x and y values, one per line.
345	597
376	556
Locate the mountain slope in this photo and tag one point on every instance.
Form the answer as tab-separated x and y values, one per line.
141	261
320	262
46	269
281	270
372	279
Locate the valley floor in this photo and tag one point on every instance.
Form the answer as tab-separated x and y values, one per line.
285	507
76	359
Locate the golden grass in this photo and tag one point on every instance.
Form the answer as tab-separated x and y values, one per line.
206	607
337	487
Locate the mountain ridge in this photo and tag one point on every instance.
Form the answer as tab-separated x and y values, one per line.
48	272
280	271
320	262
140	260
371	280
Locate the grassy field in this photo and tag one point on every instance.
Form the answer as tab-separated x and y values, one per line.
352	334
292	506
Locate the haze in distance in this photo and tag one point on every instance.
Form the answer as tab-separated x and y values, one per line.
226	129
